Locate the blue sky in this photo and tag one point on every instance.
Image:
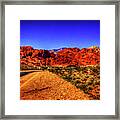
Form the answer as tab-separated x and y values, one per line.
54	34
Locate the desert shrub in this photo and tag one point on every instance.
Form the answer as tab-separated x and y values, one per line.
79	77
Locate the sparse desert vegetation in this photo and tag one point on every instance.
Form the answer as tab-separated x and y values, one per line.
86	79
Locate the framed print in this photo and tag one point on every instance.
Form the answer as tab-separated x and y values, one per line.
59	59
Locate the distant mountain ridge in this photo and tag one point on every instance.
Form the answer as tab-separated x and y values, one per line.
56	50
59	57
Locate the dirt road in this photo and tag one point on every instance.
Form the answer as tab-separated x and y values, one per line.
48	86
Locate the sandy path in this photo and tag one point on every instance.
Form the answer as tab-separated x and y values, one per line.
48	86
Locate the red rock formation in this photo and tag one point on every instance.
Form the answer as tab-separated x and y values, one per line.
64	57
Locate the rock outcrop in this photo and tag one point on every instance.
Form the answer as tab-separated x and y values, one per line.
63	57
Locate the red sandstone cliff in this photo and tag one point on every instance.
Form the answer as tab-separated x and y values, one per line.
63	57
